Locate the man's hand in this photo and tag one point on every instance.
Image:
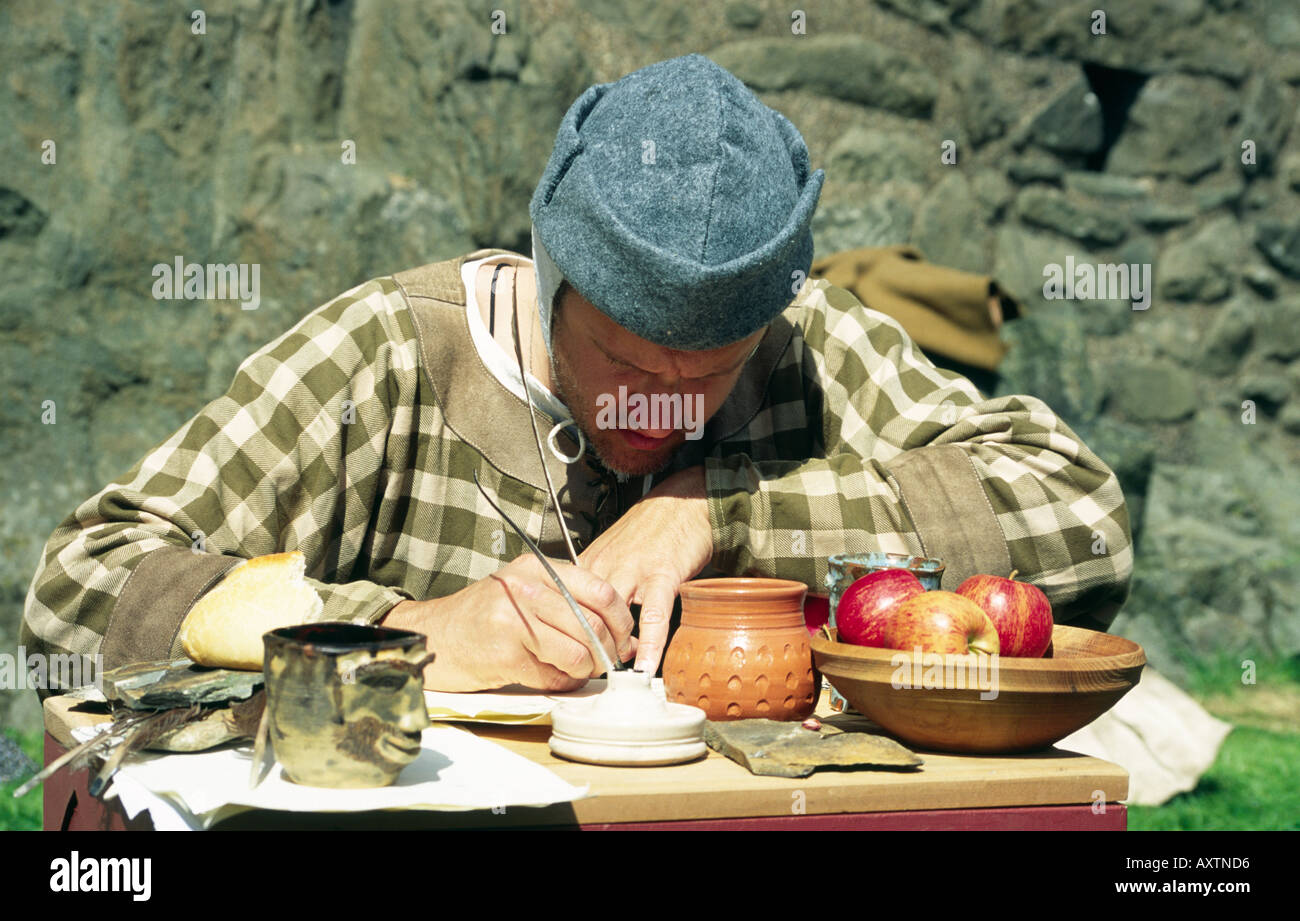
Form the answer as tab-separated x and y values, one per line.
514	627
661	542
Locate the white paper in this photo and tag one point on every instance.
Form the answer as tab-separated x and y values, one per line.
455	771
165	815
514	705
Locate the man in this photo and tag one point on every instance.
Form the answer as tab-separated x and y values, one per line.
671	250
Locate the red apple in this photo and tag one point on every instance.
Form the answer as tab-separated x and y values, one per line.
942	622
869	601
1019	611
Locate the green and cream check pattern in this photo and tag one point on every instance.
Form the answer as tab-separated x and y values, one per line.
886	438
354	438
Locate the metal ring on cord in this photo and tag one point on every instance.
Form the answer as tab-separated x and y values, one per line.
560	455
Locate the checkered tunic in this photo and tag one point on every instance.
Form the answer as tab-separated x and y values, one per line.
354	437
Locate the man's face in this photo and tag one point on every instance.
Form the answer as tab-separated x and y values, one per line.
594	357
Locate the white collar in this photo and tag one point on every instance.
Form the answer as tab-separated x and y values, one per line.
505	368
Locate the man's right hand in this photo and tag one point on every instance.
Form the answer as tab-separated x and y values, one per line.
514	627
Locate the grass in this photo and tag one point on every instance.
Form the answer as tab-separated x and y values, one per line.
22	814
1226	674
1254	783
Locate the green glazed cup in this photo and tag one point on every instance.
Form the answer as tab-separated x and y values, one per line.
345	702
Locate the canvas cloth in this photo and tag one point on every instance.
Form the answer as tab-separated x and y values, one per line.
944	310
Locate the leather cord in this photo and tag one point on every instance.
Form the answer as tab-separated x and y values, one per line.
492	303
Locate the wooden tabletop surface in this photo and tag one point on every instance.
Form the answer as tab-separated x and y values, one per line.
716	787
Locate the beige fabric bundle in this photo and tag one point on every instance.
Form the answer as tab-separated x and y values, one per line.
224	629
947	311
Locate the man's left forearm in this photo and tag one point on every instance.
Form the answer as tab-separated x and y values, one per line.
980	508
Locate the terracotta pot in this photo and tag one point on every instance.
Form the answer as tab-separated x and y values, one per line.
742	651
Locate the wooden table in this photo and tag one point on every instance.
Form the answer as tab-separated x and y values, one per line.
1054	789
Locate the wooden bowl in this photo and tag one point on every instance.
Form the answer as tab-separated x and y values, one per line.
1021	705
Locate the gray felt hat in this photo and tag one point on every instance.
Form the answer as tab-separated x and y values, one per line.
677	204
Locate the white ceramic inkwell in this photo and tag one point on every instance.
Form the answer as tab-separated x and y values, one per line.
630	723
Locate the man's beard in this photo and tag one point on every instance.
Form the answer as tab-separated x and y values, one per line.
566	389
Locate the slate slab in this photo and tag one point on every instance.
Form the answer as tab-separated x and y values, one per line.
785	749
179	683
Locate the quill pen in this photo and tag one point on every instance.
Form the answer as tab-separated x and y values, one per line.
537	435
610	665
605	660
140	735
120	728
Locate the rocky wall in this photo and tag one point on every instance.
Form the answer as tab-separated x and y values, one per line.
328	142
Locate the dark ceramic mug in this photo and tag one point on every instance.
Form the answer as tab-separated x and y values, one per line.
345	702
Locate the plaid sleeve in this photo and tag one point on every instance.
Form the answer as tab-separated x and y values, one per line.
289	458
915	460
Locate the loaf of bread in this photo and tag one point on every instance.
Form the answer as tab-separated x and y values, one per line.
224	628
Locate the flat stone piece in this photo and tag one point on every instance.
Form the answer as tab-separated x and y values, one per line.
178	683
845	749
785	749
